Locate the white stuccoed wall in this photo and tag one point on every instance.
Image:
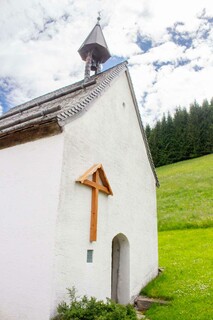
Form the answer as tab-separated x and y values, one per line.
29	192
108	133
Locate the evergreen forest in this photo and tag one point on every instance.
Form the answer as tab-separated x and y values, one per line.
185	135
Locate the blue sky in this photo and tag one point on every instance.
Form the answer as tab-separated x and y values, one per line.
168	44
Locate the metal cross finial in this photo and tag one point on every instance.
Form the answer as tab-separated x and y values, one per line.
99	16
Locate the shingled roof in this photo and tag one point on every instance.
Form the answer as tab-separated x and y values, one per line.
46	115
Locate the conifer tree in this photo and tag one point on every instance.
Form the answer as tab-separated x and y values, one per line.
186	135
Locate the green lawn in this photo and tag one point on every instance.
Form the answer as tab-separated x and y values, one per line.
185	221
188	276
185	197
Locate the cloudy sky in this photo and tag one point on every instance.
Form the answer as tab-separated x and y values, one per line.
168	44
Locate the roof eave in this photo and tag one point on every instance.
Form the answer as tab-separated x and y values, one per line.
29	132
142	128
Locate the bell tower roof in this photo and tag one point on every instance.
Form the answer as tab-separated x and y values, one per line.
95	44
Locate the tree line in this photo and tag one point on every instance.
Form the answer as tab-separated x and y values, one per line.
185	135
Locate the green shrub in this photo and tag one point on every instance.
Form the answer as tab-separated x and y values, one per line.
91	309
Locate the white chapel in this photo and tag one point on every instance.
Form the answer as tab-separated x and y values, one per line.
77	193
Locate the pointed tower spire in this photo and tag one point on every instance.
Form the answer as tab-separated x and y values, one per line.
94	50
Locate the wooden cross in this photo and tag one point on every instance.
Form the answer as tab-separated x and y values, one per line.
98	174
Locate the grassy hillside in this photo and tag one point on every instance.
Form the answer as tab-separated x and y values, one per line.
187	280
185	201
185	197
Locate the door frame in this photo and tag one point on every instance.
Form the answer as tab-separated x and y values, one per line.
120	269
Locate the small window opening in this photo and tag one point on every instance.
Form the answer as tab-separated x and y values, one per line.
89	256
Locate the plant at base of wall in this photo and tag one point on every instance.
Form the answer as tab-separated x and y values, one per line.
85	308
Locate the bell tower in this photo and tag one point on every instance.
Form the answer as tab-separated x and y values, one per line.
94	51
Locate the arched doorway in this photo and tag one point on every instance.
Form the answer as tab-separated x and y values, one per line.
120	269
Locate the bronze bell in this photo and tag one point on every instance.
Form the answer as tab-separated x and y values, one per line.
94	65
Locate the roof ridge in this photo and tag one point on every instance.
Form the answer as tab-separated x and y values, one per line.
80	106
55	94
14	123
46	98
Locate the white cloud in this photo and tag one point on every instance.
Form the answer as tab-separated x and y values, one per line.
39	42
1	109
166	52
176	87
